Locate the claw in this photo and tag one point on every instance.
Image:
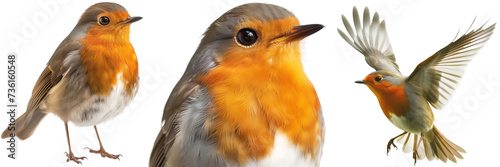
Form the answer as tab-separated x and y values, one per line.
72	157
415	153
415	156
101	149
391	142
105	154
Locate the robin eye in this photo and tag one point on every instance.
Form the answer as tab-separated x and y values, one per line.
104	20
246	37
378	78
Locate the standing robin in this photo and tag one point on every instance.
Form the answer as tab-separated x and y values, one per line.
405	100
90	78
244	99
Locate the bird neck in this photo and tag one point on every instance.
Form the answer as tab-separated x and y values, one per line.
392	99
108	57
253	99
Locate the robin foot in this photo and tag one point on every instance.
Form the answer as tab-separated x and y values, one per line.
72	157
415	156
104	153
70	154
101	149
415	148
391	142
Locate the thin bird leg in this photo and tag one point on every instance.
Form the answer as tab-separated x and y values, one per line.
70	155
415	147
391	142
101	149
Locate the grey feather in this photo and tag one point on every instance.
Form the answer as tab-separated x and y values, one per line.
371	40
440	74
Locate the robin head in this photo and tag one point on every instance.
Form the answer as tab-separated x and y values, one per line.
381	82
108	20
254	34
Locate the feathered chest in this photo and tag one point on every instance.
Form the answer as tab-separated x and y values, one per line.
103	60
252	104
393	100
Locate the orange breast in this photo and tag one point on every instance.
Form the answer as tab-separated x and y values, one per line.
105	54
253	99
392	99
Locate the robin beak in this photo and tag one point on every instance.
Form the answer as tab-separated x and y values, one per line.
132	19
360	82
299	33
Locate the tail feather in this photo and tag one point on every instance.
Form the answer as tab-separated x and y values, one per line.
428	151
440	152
25	125
434	145
446	149
407	147
410	142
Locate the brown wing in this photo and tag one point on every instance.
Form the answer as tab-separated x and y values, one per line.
439	74
27	123
371	39
51	75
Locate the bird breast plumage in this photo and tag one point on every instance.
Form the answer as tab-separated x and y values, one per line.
195	146
72	99
419	117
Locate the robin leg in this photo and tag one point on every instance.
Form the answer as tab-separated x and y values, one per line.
391	142
415	147
101	149
70	155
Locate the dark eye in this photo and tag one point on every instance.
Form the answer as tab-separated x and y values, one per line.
378	78
246	37
104	20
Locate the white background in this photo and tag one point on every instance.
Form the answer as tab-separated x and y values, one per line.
356	129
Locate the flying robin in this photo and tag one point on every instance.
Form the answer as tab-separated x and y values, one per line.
244	99
405	100
90	78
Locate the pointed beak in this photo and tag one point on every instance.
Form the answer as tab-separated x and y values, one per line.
299	33
360	82
132	19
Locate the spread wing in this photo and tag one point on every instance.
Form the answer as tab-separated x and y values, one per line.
371	40
439	74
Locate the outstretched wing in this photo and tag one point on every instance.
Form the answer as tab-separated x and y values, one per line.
439	74
371	40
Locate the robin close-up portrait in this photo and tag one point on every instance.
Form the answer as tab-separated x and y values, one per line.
90	78
244	99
